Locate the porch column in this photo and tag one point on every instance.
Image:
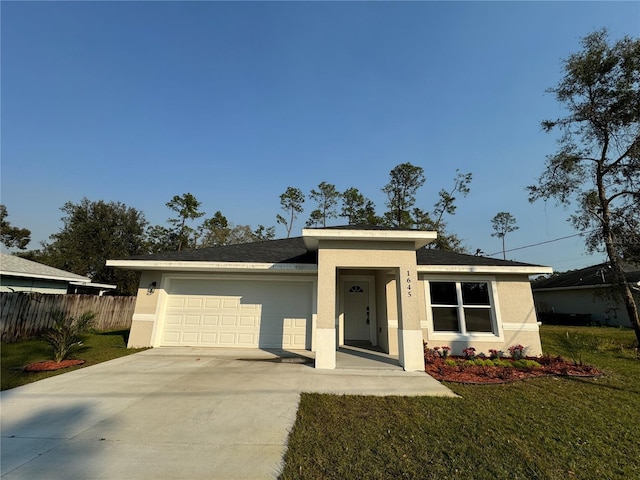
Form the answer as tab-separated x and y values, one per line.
326	324
410	348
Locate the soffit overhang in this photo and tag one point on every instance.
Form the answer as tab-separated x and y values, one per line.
312	236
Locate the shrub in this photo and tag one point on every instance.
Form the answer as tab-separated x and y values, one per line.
469	353
493	353
517	352
575	344
502	363
526	364
66	333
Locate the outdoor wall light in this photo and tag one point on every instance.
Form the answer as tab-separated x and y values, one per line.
152	288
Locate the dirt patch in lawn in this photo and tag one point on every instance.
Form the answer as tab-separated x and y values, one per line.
460	370
50	365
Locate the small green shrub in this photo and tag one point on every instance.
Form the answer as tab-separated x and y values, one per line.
66	333
450	362
577	344
481	362
501	363
526	364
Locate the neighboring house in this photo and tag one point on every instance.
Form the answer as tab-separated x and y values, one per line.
21	275
330	287
586	292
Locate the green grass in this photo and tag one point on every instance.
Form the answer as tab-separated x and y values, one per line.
545	428
97	348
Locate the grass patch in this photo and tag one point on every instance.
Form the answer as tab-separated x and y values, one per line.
545	428
97	347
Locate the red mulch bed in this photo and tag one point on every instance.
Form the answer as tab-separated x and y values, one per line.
474	374
49	365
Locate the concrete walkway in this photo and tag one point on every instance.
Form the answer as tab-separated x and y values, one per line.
177	414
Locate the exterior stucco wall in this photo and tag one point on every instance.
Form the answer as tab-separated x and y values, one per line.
145	313
603	309
518	313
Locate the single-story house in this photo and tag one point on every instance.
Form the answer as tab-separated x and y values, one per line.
331	287
22	275
586	292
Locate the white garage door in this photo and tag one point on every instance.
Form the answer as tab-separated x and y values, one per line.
237	313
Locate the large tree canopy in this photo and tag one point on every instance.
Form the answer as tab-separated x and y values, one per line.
597	165
10	236
92	233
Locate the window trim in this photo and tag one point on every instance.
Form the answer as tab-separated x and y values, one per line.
494	308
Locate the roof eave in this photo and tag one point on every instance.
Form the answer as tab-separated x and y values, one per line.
579	287
57	278
140	265
485	269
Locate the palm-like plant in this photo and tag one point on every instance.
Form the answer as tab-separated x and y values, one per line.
66	333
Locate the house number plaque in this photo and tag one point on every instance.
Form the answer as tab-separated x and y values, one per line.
408	284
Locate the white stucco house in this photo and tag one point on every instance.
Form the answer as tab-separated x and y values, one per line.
330	287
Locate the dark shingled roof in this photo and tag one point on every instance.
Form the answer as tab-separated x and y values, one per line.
292	250
441	257
600	274
286	250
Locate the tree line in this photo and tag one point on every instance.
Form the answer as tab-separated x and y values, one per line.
94	231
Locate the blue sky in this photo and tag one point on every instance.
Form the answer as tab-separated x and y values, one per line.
235	101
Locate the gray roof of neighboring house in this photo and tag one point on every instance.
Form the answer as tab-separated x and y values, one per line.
293	250
594	275
10	265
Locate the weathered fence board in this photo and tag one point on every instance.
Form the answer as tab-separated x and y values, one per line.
24	315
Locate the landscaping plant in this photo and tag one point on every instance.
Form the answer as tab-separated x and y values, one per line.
66	333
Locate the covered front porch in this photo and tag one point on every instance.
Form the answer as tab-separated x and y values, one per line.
368	291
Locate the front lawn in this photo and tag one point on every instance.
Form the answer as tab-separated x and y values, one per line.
97	348
544	428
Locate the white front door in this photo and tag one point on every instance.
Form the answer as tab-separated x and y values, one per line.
357	311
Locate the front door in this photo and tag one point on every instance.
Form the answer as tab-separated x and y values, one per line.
357	314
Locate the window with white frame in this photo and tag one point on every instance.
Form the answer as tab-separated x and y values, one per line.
461	307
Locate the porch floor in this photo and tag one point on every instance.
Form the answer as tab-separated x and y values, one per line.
362	355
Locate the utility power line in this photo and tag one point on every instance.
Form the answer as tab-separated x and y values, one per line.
542	243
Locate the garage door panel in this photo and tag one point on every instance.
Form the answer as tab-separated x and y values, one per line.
230	303
171	337
174	319
229	320
248	321
227	339
237	313
212	303
194	303
176	302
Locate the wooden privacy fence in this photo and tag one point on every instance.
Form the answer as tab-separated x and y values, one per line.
24	315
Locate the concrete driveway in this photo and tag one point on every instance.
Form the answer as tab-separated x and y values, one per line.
176	414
